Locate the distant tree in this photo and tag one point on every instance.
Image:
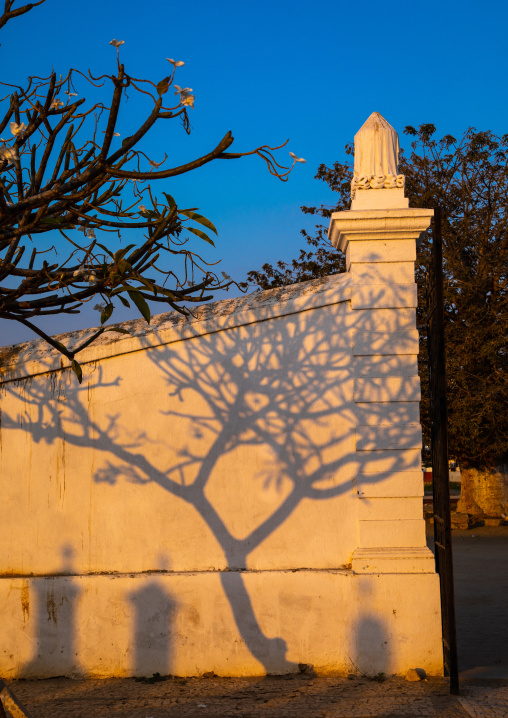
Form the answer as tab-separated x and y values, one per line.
468	178
322	259
69	187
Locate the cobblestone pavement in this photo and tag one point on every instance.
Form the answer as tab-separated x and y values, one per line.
295	696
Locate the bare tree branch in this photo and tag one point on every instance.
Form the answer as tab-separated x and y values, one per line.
8	13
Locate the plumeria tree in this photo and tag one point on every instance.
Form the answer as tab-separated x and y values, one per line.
70	185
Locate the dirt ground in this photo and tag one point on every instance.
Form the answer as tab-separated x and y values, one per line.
293	696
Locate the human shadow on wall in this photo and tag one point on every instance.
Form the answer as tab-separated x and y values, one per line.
55	623
281	390
154	608
372	646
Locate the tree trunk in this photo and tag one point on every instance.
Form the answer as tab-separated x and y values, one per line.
484	491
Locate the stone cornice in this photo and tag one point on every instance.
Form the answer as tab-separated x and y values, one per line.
377	224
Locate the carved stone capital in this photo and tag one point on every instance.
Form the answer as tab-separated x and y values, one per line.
388	181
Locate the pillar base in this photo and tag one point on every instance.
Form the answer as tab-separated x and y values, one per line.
393	560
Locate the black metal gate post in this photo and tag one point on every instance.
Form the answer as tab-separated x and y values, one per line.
439	446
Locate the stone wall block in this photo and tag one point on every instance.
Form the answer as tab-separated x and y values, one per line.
390	484
392	534
387	389
378	365
384	319
398	508
365	296
376	462
394	250
383	272
388	412
385	343
398	436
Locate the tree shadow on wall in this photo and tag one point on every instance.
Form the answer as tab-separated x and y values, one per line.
268	407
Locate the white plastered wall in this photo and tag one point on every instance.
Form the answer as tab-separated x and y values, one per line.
240	493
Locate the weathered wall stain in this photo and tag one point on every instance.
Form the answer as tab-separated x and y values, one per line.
51	606
25	601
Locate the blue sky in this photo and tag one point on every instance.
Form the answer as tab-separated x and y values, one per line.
312	72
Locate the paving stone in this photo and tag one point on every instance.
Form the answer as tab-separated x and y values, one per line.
273	697
485	701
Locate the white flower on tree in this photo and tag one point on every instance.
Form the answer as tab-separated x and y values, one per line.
9	153
296	158
185	95
17	129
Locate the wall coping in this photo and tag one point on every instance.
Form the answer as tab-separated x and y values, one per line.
20	361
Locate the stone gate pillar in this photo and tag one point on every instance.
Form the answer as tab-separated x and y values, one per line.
379	235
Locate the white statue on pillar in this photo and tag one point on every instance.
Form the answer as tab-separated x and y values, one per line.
376	165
